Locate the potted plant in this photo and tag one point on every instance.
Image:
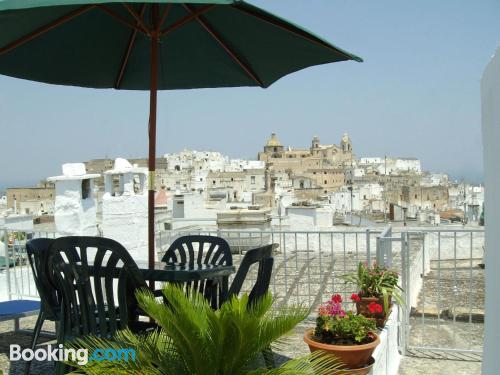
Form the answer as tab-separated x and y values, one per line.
377	286
193	339
349	337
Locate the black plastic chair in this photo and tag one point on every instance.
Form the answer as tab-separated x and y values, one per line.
97	279
262	256
198	249
38	252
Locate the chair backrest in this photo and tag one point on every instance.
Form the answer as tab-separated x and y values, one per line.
97	278
262	256
199	250
38	256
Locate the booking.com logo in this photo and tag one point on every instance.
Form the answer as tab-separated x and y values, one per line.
79	356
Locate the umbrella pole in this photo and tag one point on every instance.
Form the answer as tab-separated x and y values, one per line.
152	142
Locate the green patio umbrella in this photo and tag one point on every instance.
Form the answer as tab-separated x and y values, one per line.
154	45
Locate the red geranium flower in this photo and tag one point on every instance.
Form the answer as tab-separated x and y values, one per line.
337	298
355	297
375	308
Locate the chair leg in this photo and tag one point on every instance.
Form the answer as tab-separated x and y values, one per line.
268	355
60	368
34	339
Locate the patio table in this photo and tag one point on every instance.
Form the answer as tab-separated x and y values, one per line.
184	273
177	272
181	273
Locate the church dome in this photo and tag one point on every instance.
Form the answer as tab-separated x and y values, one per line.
273	141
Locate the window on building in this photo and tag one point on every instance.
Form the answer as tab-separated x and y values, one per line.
252	180
326	182
364	197
86	188
232	179
177	167
213	182
415	196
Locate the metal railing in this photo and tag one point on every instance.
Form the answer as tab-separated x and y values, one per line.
16	278
307	263
440	273
444	283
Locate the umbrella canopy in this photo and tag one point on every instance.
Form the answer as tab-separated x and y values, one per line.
151	45
217	43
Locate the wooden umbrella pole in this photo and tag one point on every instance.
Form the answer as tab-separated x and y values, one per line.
152	138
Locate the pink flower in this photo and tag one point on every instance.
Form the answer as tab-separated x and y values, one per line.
332	307
355	297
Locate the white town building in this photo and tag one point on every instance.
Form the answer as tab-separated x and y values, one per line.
75	210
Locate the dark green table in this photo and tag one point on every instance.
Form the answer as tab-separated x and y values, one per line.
174	272
215	276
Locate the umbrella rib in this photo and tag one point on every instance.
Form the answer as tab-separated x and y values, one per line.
292	30
164	16
130	46
137	17
226	48
42	30
183	21
120	19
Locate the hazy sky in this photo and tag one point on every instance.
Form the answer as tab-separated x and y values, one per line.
416	94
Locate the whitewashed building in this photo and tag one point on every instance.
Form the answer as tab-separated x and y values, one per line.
125	207
390	166
434	179
75	210
342	202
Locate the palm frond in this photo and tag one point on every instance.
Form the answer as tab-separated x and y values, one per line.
194	339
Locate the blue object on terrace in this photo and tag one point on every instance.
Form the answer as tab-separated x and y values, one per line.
18	308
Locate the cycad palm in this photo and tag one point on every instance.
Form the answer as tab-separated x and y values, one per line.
194	339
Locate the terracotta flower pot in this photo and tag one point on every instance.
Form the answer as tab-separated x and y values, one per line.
380	318
352	356
358	371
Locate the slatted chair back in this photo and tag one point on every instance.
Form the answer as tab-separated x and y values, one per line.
97	278
199	250
206	250
262	256
38	255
